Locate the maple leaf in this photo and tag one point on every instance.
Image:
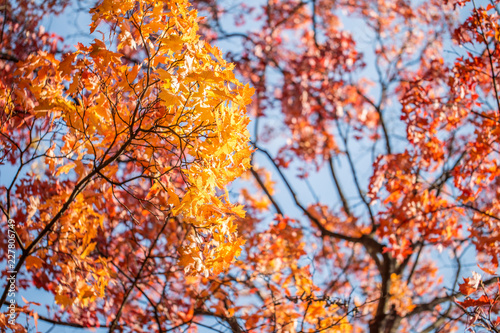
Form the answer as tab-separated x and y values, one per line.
470	285
481	301
64	301
35	262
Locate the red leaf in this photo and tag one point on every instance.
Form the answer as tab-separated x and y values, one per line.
465	288
483	300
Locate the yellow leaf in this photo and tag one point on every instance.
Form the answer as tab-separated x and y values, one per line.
89	249
64	301
153	191
172	42
238	210
65	168
173	198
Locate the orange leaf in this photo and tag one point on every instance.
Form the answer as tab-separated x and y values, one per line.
33	262
65	168
64	301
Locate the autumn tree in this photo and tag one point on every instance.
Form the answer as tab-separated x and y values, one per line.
373	196
115	159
